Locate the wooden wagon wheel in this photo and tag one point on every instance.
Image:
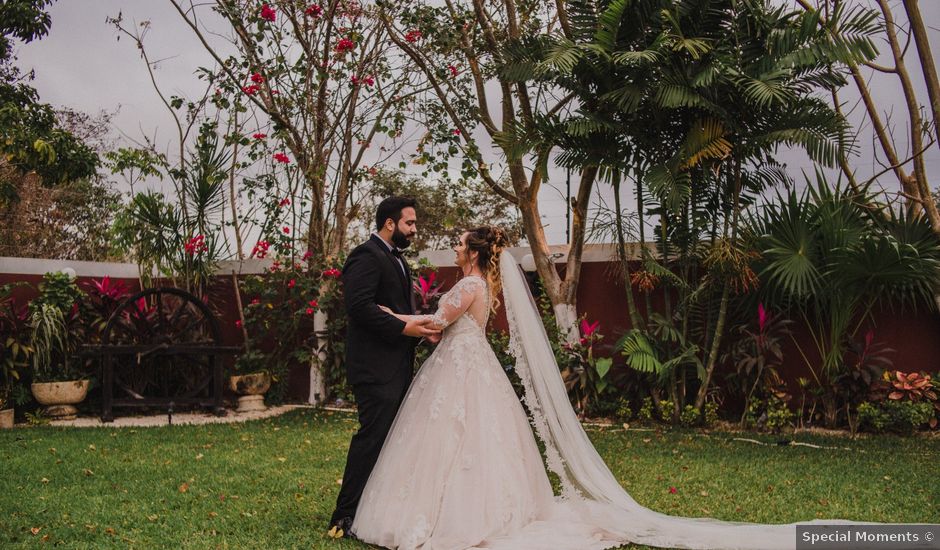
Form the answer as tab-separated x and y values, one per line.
165	341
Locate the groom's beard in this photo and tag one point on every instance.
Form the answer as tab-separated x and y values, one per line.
400	240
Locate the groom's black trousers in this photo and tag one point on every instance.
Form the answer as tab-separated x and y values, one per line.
378	404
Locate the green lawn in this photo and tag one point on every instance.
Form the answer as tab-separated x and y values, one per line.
272	483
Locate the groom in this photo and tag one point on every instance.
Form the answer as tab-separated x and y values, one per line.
379	347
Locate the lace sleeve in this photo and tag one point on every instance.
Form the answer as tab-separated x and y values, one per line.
456	302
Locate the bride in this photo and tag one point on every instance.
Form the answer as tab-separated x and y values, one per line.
460	467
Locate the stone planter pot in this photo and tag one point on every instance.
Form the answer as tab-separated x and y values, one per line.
6	419
251	388
59	398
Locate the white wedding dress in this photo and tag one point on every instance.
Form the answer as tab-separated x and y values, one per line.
461	469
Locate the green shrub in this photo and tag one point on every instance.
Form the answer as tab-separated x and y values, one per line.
903	417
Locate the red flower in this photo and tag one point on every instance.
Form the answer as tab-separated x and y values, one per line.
344	45
314	10
413	36
291	283
106	288
257	78
332	273
255	301
312	303
268	13
284	202
673	490
238	323
275	92
251	90
286	230
196	245
259	136
587	329
309	311
307	255
282	158
456	131
261	249
452	69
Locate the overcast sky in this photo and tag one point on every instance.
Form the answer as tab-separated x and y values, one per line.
82	65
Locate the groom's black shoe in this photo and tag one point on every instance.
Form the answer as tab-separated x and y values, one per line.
340	528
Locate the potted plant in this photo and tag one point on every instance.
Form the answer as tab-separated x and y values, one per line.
58	381
252	382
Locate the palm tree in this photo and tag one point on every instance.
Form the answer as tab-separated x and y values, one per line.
693	98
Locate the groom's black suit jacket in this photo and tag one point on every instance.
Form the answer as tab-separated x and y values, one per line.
376	350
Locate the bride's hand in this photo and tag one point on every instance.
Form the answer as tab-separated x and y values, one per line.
386	310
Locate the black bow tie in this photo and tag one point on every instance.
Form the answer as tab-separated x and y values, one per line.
396	252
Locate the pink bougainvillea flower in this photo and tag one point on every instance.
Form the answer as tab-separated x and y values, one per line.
413	36
456	131
286	230
309	311
307	255
261	249
238	323
251	90
314	10
332	273
257	78
344	45
255	301
292	283
312	303
452	69
284	202
282	158
259	135
268	13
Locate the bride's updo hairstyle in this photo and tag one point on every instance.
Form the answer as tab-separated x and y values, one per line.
488	242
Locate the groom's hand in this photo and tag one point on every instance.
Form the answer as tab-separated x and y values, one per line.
433	339
418	328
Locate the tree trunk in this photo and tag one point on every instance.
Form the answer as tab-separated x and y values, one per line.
636	322
725	298
913	110
919	30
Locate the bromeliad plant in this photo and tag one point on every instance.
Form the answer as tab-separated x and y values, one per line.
428	290
757	354
584	373
101	299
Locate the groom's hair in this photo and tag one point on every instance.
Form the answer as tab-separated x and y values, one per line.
391	207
